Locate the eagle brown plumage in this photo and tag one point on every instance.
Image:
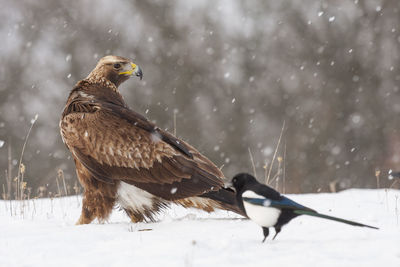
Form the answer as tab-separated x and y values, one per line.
122	158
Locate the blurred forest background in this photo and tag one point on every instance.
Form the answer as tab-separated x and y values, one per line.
232	72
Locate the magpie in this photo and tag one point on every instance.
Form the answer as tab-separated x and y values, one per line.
268	208
393	174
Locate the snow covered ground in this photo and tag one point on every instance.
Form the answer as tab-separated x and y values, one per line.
46	236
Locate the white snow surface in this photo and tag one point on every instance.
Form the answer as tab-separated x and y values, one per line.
45	235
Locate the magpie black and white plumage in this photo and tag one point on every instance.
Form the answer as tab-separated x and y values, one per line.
268	208
393	174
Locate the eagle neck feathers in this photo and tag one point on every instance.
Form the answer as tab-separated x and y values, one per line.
100	80
88	95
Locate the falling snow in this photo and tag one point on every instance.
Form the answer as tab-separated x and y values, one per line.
34	119
267	151
223	87
356	118
155	137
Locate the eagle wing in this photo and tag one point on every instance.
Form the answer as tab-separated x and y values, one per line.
116	143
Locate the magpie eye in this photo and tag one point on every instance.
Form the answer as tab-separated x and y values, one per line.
117	66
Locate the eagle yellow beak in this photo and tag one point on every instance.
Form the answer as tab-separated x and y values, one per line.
135	70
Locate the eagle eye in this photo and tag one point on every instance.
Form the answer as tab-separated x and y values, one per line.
117	66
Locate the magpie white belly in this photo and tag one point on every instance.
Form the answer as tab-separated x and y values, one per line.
263	216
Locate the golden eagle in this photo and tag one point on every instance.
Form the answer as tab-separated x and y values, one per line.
122	158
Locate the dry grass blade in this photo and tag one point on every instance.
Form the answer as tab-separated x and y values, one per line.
252	163
62	178
276	151
377	175
9	172
277	174
393	184
23	149
284	170
58	187
4	192
22	187
266	172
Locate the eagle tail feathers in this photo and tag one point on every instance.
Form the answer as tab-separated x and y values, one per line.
225	199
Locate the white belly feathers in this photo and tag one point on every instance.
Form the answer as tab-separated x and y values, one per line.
263	216
131	197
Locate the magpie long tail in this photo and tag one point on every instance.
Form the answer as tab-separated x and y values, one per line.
315	214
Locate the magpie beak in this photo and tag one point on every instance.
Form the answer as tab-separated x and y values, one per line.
230	186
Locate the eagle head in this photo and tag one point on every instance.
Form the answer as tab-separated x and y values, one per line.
115	69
